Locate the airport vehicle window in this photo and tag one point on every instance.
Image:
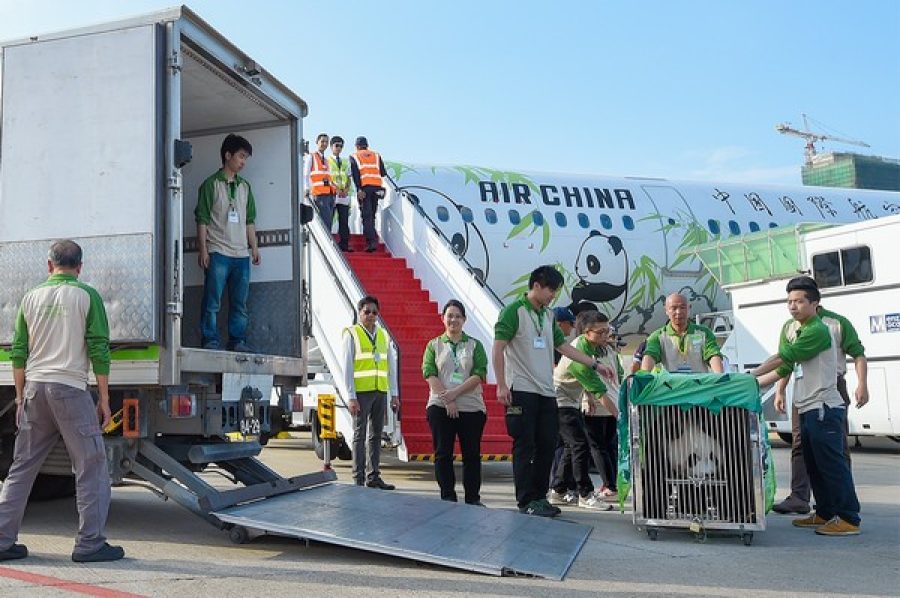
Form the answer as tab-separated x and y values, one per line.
605	221
490	215
443	214
734	227
754	227
844	267
537	218
584	221
467	215
514	217
560	219
713	226
628	222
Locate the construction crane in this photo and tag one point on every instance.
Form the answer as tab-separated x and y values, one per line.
812	137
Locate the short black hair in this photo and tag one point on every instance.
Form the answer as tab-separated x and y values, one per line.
546	276
320	135
232	144
454	303
367	300
65	254
807	285
337	139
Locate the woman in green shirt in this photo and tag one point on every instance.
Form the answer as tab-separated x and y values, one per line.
455	366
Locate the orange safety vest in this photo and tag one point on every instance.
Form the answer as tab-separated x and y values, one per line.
369	164
320	176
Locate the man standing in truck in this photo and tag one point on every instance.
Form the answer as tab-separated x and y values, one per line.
61	327
226	235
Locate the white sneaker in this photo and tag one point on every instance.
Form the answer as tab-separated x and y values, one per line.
594	501
567	499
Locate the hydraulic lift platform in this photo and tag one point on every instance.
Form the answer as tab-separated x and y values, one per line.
430	530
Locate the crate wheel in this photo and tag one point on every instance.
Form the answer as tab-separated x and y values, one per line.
239	534
747	539
701	536
652	533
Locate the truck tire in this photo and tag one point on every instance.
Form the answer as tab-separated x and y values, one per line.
338	448
276	425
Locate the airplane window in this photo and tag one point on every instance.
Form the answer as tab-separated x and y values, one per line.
773	225
605	221
734	227
584	221
671	221
754	227
490	215
560	219
466	214
713	226
628	222
537	218
514	217
443	214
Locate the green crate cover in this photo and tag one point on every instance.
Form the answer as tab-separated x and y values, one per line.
709	391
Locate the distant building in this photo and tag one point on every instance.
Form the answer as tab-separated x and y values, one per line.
854	171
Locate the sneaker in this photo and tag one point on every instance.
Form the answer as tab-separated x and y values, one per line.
211	345
241	347
556	498
792	505
380	484
838	527
16	551
477	503
812	521
538	508
554	509
105	553
594	501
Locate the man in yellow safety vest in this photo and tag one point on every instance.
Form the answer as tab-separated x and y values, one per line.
370	376
340	178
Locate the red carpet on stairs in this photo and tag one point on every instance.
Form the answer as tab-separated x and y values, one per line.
414	319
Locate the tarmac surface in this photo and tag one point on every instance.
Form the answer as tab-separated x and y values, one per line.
171	552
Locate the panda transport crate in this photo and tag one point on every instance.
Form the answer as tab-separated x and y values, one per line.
694	455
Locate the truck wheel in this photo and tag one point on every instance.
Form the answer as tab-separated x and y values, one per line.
786	437
334	448
276	425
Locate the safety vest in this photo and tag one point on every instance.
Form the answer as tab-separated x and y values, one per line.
319	176
370	363
369	164
340	175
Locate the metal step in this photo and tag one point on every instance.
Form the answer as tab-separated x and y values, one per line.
424	529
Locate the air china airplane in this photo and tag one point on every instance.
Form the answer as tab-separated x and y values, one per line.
615	239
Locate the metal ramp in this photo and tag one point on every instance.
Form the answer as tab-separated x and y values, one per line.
424	529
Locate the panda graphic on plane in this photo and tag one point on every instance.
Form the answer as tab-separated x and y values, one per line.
616	240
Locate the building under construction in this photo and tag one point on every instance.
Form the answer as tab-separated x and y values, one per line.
852	170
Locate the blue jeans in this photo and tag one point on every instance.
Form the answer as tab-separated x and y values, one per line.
235	272
822	437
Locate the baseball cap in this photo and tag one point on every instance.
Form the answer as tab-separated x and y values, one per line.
563	314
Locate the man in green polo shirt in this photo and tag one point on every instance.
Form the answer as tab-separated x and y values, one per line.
805	351
525	336
681	345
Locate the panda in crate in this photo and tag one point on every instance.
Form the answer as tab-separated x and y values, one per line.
687	473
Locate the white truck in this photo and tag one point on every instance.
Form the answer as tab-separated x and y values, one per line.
99	128
856	269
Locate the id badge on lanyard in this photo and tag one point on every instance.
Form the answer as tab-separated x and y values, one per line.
233	217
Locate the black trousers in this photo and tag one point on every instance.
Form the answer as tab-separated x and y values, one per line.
532	423
368	208
343	215
468	427
604	442
576	459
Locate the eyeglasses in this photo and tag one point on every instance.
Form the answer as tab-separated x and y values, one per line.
600	331
370	312
338	145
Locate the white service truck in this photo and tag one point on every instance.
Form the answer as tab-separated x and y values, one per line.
856	269
107	133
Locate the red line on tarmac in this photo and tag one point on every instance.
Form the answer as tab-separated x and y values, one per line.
64	584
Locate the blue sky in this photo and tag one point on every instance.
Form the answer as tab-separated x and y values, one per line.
688	90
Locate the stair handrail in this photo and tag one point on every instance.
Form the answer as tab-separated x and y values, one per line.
449	275
351	291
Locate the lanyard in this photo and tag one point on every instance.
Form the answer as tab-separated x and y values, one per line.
457	364
537	321
372	337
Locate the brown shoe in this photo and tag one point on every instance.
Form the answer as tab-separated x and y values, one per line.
838	527
812	521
